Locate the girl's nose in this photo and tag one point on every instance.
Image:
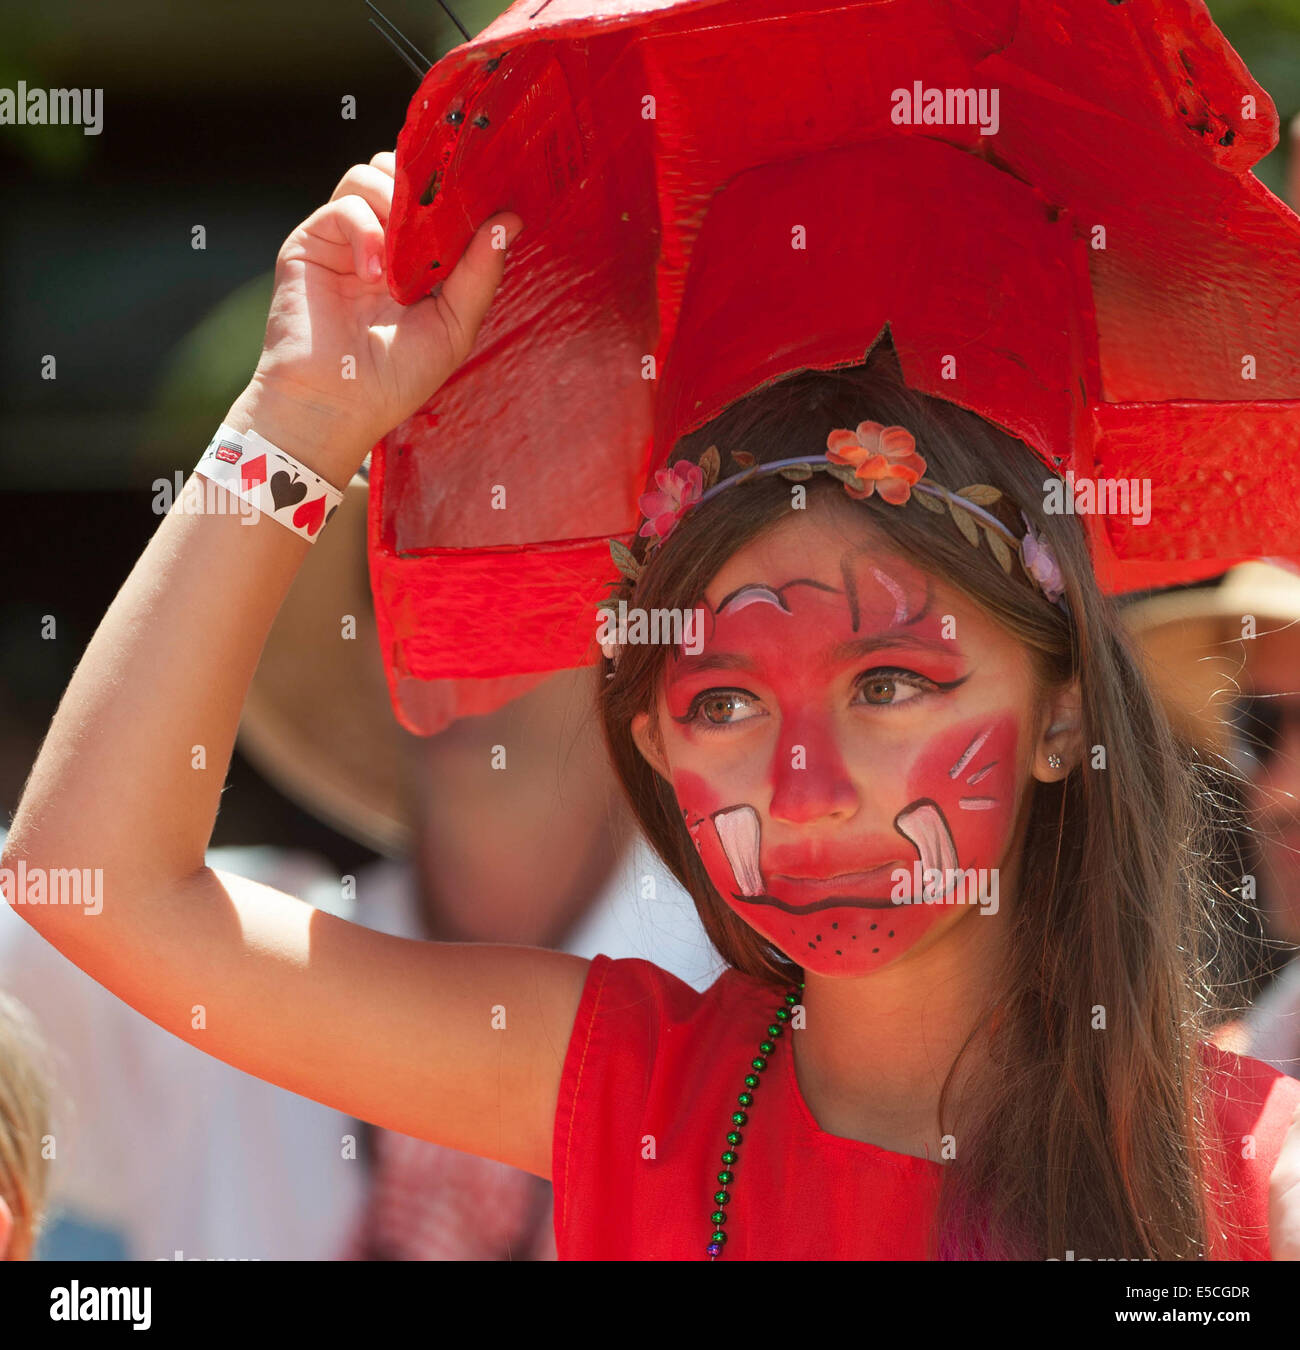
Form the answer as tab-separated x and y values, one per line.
810	780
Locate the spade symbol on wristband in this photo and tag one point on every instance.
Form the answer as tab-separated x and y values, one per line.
284	491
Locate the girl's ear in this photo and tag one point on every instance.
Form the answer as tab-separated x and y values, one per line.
648	742
1060	734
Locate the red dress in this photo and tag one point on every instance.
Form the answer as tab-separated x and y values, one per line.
649	1084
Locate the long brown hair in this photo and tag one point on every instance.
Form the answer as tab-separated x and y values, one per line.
1090	1132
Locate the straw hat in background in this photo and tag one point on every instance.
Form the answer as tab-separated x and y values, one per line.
1195	651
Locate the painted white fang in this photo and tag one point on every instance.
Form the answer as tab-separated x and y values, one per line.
926	827
738	833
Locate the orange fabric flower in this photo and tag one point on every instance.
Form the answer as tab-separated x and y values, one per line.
882	458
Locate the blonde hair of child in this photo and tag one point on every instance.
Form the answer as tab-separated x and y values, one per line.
24	1126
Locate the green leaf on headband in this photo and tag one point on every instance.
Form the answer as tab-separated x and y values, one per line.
999	546
624	560
980	493
845	473
964	523
796	473
929	502
743	459
711	464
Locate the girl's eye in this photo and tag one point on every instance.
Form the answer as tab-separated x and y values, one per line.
720	708
887	687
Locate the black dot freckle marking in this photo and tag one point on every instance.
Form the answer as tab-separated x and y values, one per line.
819	937
873	927
813	945
834	925
838	952
854	936
891	933
874	950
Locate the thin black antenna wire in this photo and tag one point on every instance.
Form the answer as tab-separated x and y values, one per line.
410	46
419	74
455	20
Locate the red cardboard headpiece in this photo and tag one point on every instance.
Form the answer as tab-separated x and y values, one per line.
717	193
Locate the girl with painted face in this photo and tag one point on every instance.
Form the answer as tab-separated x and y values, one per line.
934	797
935	826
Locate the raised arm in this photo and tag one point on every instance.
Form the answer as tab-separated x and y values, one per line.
459	1044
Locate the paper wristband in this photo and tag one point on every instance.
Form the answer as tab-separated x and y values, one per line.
280	486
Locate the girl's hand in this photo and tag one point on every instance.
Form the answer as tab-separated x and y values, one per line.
338	346
1284	1197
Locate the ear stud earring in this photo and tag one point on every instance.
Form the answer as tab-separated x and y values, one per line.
1054	761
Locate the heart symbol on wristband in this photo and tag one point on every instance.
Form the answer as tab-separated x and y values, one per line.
310	515
284	491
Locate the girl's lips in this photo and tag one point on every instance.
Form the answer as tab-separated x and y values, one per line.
874	884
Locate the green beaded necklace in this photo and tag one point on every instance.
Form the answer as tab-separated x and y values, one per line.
722	1197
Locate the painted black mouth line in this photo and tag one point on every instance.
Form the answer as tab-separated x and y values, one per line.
831	902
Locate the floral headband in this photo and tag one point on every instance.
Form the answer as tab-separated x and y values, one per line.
872	459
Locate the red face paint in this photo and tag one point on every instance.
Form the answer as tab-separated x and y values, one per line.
816	807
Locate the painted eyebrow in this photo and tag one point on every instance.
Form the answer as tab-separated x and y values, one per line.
846	651
778	591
